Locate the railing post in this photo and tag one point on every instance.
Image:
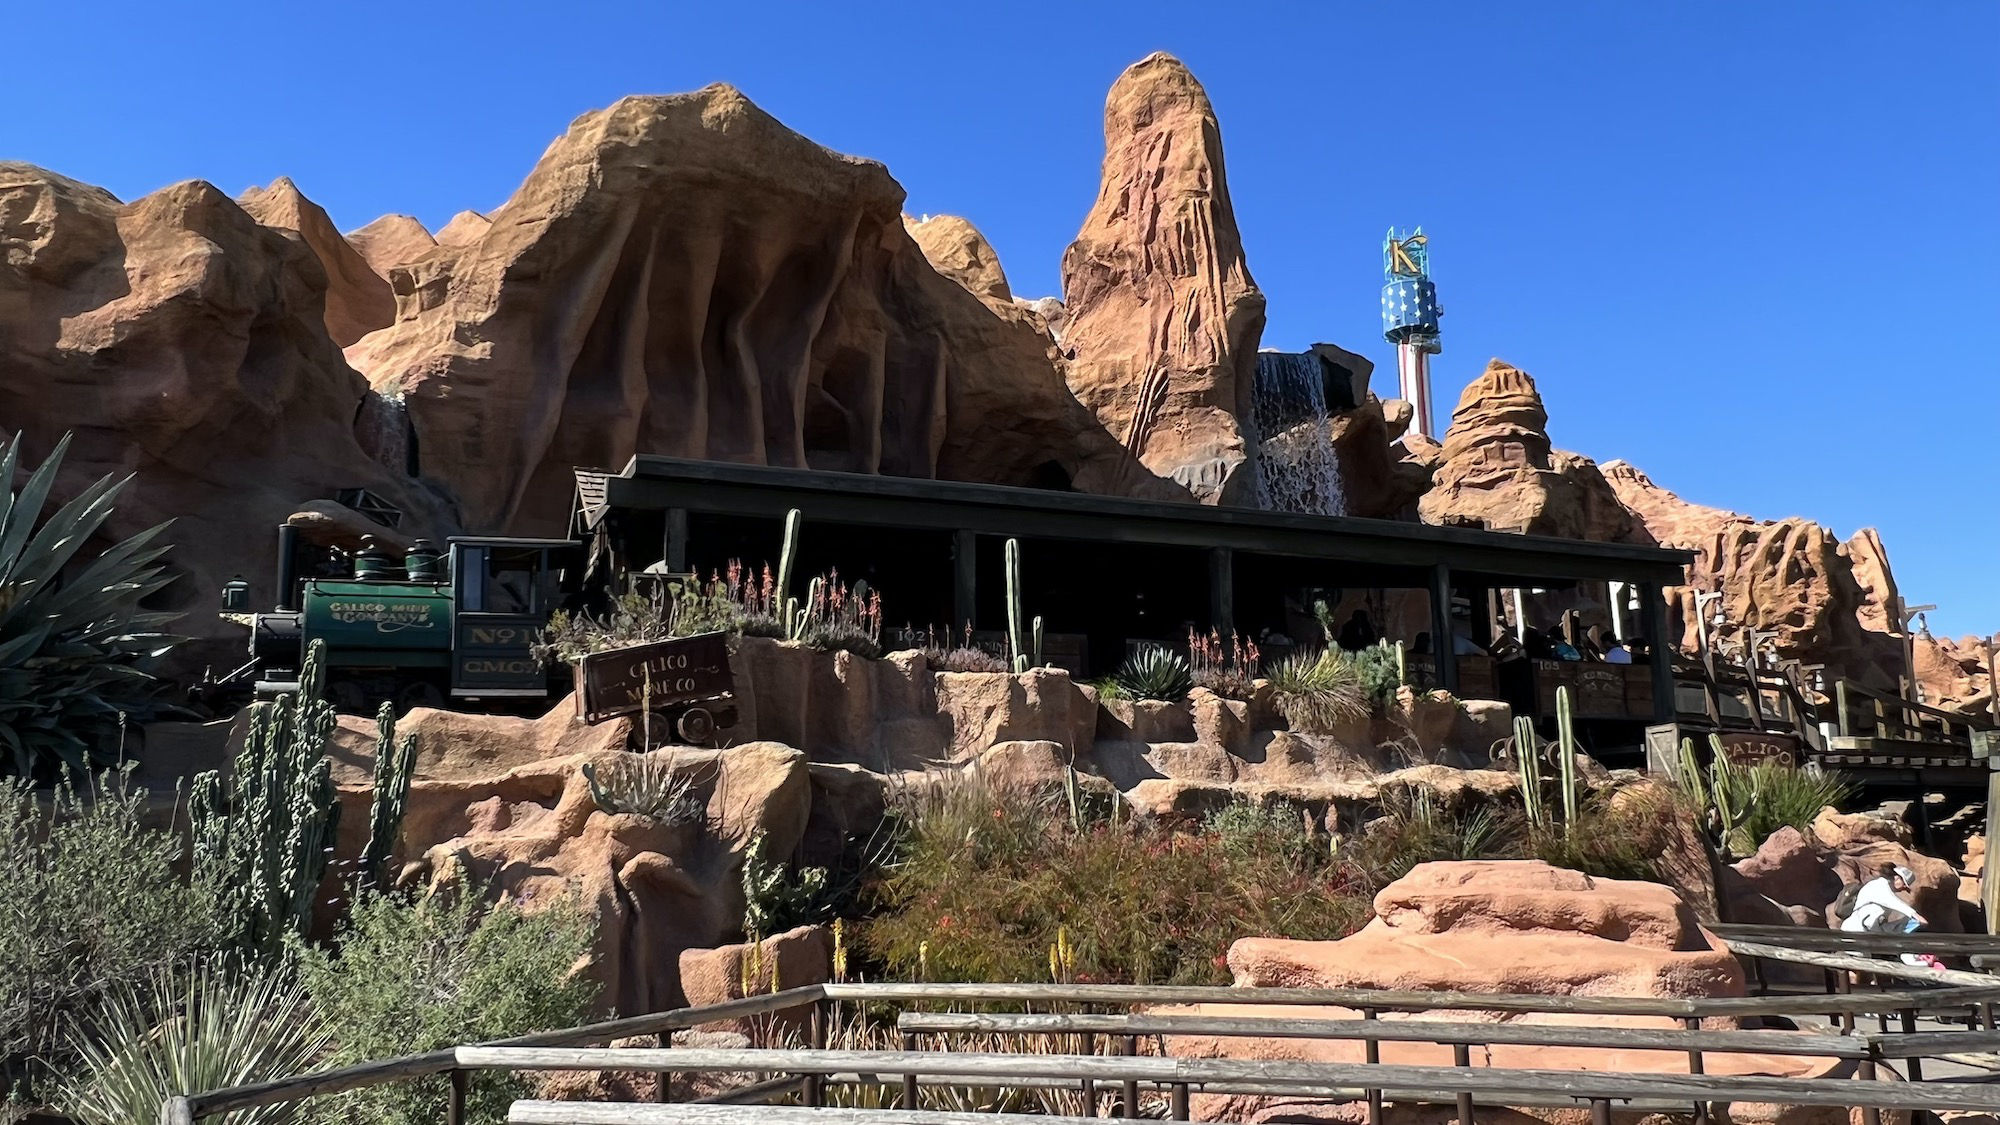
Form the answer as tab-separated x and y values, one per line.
175	1111
663	1083
1840	708
1461	1056
454	1109
1846	1016
1090	1084
909	1076
1864	1071
1909	1028
1373	1055
814	1093
1696	1065
1131	1090
1180	1101
1600	1111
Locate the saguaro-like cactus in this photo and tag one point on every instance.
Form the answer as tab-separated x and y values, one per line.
786	557
265	842
1566	746
395	765
1038	641
1017	650
1528	760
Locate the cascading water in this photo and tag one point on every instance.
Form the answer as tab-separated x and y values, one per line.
1298	469
382	427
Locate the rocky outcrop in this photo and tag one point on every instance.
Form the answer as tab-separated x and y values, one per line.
1801	874
1508	926
185	341
956	249
685	276
1823	600
1498	470
793	959
1956	675
1164	318
391	241
357	297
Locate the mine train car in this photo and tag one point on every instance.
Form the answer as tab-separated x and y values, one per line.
433	628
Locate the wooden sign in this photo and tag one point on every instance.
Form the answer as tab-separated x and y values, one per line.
624	681
1749	747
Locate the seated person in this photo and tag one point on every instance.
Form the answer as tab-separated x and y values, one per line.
1421	646
1462	644
1538	644
1358	633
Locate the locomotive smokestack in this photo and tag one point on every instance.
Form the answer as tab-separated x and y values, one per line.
288	549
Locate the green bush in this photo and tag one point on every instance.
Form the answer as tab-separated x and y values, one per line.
993	887
420	975
1317	690
1617	835
779	897
1379	675
92	900
1154	673
181	1031
75	642
1416	826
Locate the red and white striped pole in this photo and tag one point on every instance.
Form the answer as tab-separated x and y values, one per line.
1413	373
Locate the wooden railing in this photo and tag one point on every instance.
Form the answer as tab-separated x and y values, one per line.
807	1074
1861	712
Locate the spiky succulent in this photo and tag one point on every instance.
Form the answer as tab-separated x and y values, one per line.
1155	673
74	637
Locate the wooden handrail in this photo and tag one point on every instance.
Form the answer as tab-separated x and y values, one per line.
1843	941
1395	1031
1847	962
1583	1085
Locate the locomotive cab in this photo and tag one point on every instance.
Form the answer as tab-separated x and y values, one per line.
503	593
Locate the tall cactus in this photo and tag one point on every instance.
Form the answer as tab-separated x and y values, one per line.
1016	647
1566	746
1723	794
1039	662
786	557
1528	760
395	765
265	842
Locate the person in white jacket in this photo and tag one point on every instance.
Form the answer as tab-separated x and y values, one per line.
1883	906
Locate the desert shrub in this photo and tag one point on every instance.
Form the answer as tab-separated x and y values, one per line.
409	976
1107	689
778	896
1783	796
1286	832
1379	674
648	785
1317	690
1154	673
186	1029
1617	835
1227	668
92	901
1417	826
987	886
963	659
75	643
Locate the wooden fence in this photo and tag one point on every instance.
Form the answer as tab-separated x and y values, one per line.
807	1075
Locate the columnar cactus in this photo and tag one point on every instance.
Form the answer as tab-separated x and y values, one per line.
1566	746
395	764
1038	641
1017	650
265	843
1528	760
786	558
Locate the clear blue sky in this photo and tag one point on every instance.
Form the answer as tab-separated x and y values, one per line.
1749	246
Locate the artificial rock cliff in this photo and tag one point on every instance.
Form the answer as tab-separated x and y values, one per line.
684	275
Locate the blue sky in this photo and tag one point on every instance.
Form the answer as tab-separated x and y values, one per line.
1749	246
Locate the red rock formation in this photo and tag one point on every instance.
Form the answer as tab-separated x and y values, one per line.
391	241
357	298
185	341
1956	675
956	249
1823	599
1163	315
685	276
1498	470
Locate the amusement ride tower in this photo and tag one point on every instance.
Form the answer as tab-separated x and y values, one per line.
1410	319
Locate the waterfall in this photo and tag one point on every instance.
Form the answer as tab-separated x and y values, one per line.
1298	469
382	427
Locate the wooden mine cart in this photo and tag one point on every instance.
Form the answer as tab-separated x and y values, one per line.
681	686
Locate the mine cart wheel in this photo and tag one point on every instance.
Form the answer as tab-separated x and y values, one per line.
696	726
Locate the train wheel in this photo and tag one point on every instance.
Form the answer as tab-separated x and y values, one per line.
696	726
423	693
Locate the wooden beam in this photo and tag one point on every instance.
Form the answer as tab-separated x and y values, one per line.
676	554
1653	603
1222	591
1441	634
1850	963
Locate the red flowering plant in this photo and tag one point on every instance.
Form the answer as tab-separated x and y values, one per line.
1225	667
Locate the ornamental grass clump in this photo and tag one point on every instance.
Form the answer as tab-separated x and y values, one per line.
986	883
1154	673
184	1029
1318	690
651	785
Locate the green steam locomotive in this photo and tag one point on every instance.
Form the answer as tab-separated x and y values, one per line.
453	627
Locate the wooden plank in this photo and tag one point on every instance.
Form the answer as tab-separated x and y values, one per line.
691	1113
1935	1044
1852	963
1803	937
1491	1080
174	1111
1399	1031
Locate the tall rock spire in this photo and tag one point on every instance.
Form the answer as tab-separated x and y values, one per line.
1165	319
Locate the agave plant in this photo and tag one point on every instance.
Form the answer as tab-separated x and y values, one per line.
73	646
175	1033
1155	673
